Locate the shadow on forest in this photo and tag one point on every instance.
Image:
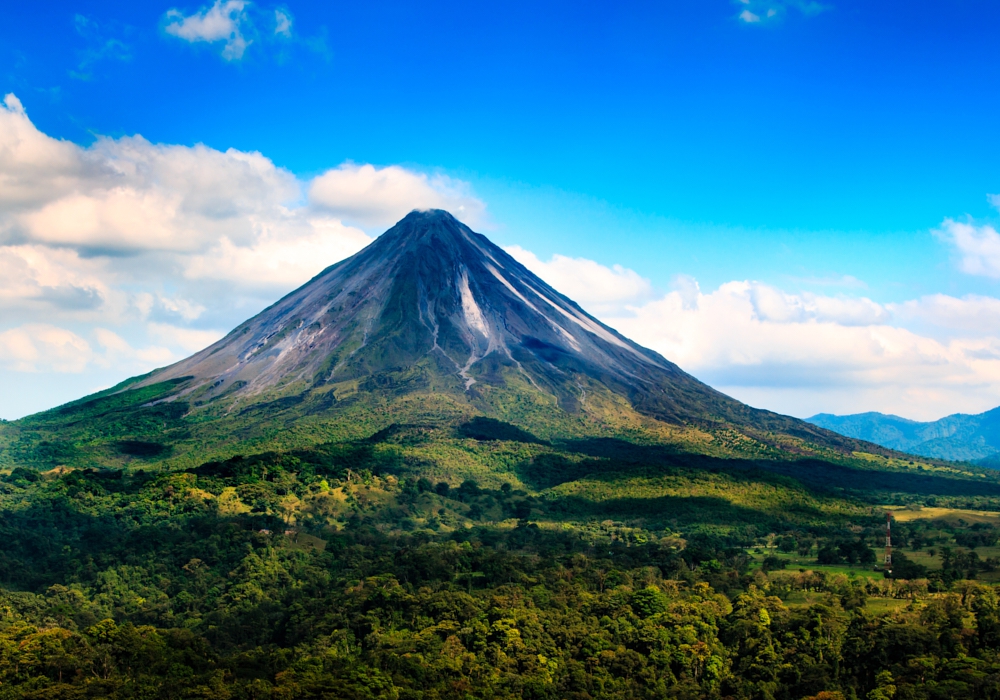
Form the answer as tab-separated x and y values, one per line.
705	510
613	456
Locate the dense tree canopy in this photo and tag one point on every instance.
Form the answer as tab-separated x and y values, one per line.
310	576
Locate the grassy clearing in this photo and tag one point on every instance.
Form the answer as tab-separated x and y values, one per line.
804	599
797	563
924	558
949	514
885	606
306	543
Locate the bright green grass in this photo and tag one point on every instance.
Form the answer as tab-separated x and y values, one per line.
885	606
796	563
924	558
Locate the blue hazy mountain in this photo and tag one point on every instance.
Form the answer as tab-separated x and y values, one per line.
958	437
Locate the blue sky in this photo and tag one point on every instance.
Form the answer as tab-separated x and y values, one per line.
813	150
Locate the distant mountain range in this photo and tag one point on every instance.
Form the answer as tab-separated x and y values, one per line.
958	437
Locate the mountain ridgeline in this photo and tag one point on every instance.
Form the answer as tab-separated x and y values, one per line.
433	309
958	437
430	325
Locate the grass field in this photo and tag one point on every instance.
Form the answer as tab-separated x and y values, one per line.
924	558
795	563
883	606
949	514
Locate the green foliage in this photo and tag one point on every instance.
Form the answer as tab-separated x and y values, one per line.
406	546
343	571
483	428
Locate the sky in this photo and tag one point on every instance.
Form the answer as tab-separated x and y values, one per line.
794	200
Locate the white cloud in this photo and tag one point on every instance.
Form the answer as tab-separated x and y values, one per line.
34	278
33	167
947	316
238	24
771	304
187	339
282	23
45	348
804	354
221	22
283	257
749	17
373	196
597	287
41	347
117	352
81	224
979	247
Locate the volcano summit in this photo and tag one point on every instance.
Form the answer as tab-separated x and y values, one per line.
430	325
432	306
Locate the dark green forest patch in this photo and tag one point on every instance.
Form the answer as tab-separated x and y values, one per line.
483	428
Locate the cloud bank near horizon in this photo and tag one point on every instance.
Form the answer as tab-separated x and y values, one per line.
802	353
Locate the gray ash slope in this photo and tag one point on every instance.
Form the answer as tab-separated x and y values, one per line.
433	306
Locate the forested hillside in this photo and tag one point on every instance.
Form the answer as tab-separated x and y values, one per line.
352	571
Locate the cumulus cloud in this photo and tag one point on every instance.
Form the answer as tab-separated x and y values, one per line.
222	22
597	287
771	304
373	196
38	278
978	246
33	166
802	353
40	347
189	340
281	256
948	316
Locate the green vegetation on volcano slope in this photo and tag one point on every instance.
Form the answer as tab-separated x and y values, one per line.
165	425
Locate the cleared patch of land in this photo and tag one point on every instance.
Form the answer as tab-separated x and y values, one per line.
950	514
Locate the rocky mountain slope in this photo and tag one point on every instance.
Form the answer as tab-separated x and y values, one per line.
433	305
431	325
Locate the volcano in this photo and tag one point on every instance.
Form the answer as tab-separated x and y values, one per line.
431	308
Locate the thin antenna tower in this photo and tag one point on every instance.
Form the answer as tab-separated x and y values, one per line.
888	542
